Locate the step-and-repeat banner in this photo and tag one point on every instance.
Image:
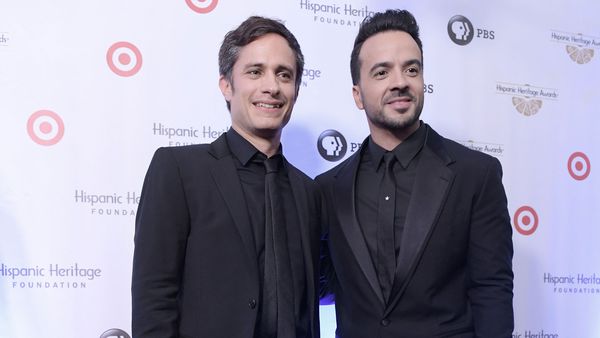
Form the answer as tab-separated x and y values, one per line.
89	90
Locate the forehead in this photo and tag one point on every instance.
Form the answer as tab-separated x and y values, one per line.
268	50
389	46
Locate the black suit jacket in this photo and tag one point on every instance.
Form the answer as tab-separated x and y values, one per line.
195	270
454	274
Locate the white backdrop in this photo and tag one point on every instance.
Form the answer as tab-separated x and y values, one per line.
88	91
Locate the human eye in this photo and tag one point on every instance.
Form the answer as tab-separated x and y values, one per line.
285	75
253	72
380	73
413	70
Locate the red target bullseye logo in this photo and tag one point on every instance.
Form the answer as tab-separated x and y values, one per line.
45	127
124	59
526	220
202	6
579	166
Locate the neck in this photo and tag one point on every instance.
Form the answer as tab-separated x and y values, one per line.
389	139
267	145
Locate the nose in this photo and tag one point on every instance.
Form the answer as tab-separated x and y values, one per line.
270	84
398	81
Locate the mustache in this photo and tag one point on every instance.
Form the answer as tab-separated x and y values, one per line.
398	94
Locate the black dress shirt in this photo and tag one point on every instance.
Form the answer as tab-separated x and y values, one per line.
251	171
370	174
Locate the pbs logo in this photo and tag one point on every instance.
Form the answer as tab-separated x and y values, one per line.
332	145
461	31
114	333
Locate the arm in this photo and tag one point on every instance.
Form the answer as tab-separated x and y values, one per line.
326	271
490	258
162	224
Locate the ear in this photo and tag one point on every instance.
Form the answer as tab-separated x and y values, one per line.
226	88
357	97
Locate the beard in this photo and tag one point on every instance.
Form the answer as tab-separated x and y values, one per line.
395	121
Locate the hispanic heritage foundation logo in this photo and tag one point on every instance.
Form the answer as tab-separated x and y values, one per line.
527	99
45	127
115	333
526	220
573	283
124	59
332	145
579	47
348	14
202	6
108	204
579	166
49	276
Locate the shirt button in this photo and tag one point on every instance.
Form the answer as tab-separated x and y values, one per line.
385	322
252	303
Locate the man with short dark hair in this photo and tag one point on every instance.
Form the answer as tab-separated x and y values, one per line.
418	241
215	255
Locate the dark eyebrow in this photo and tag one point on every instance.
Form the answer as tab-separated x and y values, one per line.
286	68
386	64
251	65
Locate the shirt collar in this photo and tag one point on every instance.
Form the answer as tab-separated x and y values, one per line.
242	149
405	152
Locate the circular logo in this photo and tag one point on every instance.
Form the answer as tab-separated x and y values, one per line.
45	127
202	6
115	333
525	220
460	30
332	145
124	59
579	166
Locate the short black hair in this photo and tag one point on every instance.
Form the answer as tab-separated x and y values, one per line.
390	20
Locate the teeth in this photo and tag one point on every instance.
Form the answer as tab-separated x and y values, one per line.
266	105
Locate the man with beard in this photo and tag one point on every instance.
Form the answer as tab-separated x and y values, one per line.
418	241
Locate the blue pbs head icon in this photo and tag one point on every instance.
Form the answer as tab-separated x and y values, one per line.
332	145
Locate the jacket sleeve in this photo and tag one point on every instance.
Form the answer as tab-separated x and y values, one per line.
161	229
327	278
490	258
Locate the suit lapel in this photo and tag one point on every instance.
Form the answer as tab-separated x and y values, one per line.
344	192
227	182
432	183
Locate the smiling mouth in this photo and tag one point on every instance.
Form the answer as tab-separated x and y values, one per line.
268	105
402	99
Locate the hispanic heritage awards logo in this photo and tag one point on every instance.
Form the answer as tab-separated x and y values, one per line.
494	149
461	31
579	47
202	6
45	127
124	59
527	100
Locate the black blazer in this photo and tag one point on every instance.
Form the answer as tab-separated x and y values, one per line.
454	274
195	272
